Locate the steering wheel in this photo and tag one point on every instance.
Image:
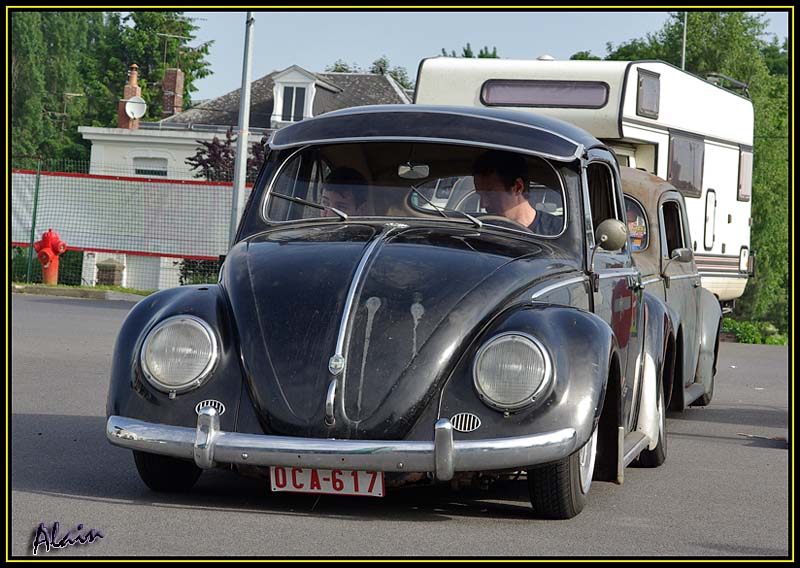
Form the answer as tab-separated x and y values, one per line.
499	219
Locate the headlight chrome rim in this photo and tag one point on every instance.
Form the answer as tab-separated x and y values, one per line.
204	374
547	381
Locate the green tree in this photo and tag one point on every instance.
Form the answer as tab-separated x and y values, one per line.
584	56
68	69
380	66
340	66
466	51
732	43
157	41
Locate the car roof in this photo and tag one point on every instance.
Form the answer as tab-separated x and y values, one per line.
644	186
490	127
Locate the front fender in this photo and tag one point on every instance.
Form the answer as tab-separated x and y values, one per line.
658	364
580	345
709	338
131	395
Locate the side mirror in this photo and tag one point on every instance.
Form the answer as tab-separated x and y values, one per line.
682	255
611	234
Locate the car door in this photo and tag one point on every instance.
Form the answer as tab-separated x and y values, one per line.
617	292
681	280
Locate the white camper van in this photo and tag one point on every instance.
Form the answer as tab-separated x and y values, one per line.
693	133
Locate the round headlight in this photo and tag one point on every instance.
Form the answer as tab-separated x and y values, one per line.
179	353
511	370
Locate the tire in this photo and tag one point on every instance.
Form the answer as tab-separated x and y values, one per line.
166	474
658	455
558	490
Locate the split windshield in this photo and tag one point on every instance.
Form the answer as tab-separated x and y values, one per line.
422	180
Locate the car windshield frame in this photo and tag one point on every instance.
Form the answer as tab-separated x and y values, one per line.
286	159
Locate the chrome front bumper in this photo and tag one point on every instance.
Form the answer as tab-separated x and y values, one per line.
207	446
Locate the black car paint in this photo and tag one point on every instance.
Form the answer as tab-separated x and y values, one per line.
451	278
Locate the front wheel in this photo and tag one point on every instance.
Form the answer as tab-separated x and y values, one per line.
558	490
166	474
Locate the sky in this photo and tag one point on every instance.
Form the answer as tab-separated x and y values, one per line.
314	40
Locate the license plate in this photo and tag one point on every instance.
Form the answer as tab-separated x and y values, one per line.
327	481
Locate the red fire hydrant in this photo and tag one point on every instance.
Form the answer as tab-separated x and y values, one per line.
48	251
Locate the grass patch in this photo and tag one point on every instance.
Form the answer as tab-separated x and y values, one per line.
104	288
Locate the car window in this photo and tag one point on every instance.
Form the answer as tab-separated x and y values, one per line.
672	227
404	179
602	194
637	225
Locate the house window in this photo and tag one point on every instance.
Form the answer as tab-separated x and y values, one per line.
294	99
648	95
745	175
686	164
150	166
562	94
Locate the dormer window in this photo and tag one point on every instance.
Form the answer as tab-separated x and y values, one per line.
293	104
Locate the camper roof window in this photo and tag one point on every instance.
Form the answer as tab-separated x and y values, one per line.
561	94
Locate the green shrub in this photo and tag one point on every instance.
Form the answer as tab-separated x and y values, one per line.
747	332
777	339
729	325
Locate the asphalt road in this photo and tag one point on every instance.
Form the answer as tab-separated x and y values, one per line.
724	489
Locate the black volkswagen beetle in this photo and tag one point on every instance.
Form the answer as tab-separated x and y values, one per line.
361	334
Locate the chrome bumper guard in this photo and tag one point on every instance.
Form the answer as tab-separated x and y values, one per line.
207	446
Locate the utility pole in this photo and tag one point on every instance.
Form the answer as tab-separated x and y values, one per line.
240	173
683	54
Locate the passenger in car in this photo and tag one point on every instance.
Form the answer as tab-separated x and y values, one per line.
344	189
501	180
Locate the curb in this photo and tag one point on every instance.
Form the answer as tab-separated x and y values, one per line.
77	293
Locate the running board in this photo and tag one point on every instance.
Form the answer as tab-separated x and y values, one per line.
695	391
630	447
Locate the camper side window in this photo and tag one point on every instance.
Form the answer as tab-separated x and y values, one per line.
648	95
745	176
686	164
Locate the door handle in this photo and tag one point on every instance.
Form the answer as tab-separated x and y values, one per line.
635	282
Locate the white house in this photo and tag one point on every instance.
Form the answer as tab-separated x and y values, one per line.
160	149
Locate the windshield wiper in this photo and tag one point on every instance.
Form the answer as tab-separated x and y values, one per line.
341	214
441	210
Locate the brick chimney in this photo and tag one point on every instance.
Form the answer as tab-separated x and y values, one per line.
132	89
173	92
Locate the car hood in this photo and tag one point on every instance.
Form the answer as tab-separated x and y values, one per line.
420	296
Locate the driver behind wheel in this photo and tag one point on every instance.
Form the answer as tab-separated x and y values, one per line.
501	180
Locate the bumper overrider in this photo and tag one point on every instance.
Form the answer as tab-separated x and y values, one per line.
208	446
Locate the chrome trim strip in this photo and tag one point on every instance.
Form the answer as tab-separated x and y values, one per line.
351	293
617	274
651	281
557	285
371	455
684	276
330	400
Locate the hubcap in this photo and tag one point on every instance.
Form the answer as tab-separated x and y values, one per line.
587	455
